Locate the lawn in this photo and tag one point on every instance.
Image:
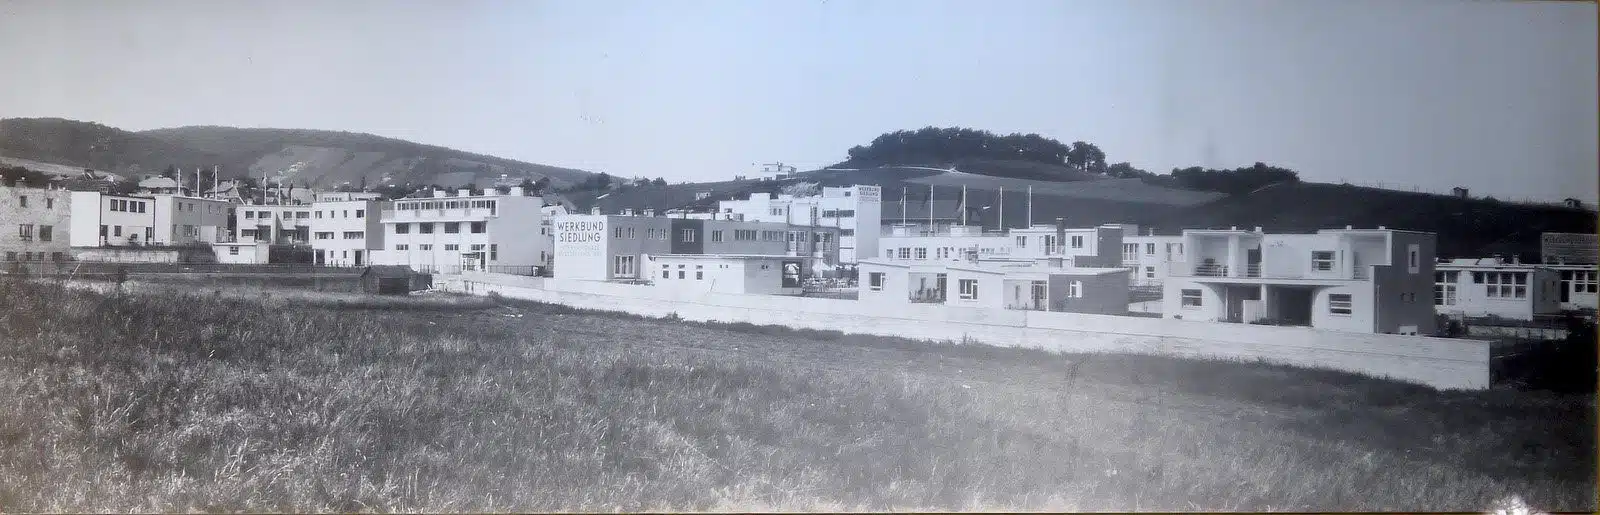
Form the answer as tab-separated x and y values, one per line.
179	399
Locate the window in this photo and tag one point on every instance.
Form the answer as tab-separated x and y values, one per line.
905	252
969	288
1191	298
1149	249
360	213
50	203
477	247
249	214
425	227
11	256
888	253
233	251
1322	260
479	227
1075	289
1444	288
716	236
425	246
1022	242
1149	272
1339	303
116	230
55	256
494	251
1505	285
1130	251
23	199
402	228
1413	258
698	274
319	215
616	233
402	246
452	227
665	274
875	281
630	233
623	267
247	233
688	235
922	253
303	214
1077	242
325	235
451	247
25	231
354	235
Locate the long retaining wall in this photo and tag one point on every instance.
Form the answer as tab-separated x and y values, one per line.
1437	362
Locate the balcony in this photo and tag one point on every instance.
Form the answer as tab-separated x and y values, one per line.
930	296
1255	271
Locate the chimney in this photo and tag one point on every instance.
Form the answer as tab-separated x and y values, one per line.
516	191
649	212
594	210
1349	227
463	192
1382	228
438	194
1258	228
627	211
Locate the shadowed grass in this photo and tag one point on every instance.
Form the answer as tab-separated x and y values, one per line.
177	400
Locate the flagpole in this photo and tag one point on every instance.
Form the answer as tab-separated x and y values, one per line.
903	205
930	209
1030	206
963	205
1002	226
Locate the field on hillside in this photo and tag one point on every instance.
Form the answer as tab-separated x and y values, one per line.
173	398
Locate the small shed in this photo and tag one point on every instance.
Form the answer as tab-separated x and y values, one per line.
393	280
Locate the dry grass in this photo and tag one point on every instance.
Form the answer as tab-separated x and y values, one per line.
174	401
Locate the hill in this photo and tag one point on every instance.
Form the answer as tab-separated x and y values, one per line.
306	157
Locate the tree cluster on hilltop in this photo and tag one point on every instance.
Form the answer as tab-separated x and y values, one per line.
1233	182
938	146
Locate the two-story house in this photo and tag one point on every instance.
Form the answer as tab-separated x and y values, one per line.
464	232
1358	280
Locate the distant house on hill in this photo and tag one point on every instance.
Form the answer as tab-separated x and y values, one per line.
156	185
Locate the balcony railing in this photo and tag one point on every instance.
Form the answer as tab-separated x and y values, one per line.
438	214
927	297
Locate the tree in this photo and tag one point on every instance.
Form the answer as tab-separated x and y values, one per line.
659	182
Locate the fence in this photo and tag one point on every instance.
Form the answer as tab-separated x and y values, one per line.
1437	362
1414	188
99	267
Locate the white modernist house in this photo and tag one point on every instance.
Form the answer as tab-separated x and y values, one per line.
278	224
100	219
1578	289
1491	287
1356	280
1022	286
547	232
346	229
1150	257
1057	246
464	232
725	273
854	210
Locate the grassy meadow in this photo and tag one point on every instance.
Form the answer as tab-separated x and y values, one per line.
181	398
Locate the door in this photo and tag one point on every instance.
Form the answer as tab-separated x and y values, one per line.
322	257
358	259
1039	290
1252	262
1566	286
939	285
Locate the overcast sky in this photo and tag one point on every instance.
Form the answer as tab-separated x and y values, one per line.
1499	97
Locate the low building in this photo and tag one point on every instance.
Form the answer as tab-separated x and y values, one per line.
39	220
1492	287
1357	280
1578	288
278	224
1023	286
1091	247
1150	257
242	253
393	280
182	220
726	273
853	211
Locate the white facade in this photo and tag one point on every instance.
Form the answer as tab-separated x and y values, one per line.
759	275
112	220
280	224
448	234
1347	280
1490	288
1022	286
346	232
960	243
1579	286
855	210
1150	257
1065	246
183	220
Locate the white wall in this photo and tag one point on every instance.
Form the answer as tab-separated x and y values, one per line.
183	220
347	216
91	210
244	253
1441	363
